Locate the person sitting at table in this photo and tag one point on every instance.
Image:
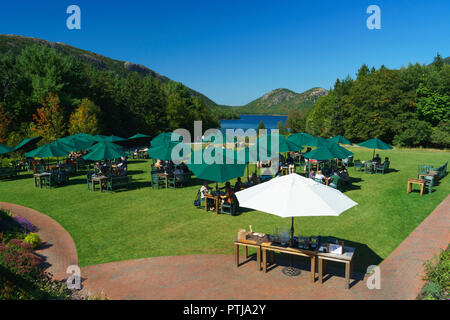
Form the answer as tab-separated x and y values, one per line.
238	185
377	158
290	163
312	174
333	179
178	170
159	164
319	176
228	193
326	170
254	179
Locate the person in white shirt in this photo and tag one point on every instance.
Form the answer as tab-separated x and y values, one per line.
319	176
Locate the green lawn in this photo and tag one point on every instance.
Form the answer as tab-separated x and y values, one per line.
142	222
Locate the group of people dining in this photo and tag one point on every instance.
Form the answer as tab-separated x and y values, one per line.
170	168
330	176
107	169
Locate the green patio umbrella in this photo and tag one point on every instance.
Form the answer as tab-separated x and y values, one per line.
77	142
284	145
111	138
49	150
164	138
27	144
215	172
340	139
139	136
319	142
303	139
375	143
104	151
164	151
5	149
327	152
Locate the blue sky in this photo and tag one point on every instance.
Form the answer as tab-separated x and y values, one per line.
236	51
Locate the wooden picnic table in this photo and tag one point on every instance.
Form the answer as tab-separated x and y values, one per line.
214	198
271	247
420	182
39	177
253	243
99	180
318	259
346	257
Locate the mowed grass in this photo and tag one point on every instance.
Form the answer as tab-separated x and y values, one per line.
141	222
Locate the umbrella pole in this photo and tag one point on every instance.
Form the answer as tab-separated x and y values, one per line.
291	271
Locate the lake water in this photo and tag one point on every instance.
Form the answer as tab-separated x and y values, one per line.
252	122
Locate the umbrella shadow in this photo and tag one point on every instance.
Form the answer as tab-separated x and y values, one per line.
18	177
364	257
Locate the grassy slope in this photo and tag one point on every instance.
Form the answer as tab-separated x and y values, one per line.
144	222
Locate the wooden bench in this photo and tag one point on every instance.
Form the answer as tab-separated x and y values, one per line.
117	182
7	172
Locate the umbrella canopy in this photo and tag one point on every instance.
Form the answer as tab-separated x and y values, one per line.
163	152
53	149
27	144
139	136
295	196
5	149
164	138
375	143
104	151
216	172
284	145
340	139
77	142
327	152
319	142
111	138
303	139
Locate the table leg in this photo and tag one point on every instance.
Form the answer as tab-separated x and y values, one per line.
40	182
236	254
320	262
93	185
313	269
264	253
245	252
347	275
422	187
408	187
258	258
217	205
101	185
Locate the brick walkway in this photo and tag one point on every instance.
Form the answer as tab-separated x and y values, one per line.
59	249
216	277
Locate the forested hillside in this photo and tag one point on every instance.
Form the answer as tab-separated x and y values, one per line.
406	107
52	89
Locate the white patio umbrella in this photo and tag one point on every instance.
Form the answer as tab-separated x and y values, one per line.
295	196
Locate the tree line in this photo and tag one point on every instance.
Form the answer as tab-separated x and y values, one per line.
407	107
47	93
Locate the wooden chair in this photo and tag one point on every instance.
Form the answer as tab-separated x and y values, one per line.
357	164
156	181
230	207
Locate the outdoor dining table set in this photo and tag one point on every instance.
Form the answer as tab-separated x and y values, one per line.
267	245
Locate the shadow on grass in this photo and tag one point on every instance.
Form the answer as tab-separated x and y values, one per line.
18	177
363	258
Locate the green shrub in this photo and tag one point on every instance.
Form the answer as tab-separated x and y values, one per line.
33	239
432	290
437	274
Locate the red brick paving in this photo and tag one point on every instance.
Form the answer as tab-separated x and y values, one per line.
58	249
217	277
